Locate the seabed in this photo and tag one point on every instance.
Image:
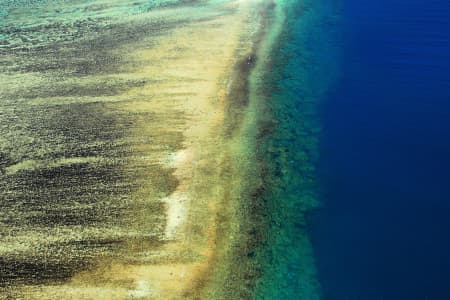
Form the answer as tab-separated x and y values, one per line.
130	165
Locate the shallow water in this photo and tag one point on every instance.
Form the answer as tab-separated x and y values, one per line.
111	122
301	70
97	116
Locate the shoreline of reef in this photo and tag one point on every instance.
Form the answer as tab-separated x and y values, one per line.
243	225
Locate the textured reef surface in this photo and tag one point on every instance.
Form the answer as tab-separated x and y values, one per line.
149	149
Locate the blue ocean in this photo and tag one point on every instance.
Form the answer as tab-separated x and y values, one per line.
383	229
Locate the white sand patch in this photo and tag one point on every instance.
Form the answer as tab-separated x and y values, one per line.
176	213
178	158
142	290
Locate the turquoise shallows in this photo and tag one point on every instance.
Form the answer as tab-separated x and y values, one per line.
302	68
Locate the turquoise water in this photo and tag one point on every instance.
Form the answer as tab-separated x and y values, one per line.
302	69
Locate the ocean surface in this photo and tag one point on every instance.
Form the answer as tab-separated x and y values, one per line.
353	145
383	230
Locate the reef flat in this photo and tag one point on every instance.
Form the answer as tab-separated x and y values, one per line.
157	150
127	139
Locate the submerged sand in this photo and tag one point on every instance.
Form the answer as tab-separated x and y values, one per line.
187	153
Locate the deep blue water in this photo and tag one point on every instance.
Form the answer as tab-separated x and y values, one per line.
384	229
